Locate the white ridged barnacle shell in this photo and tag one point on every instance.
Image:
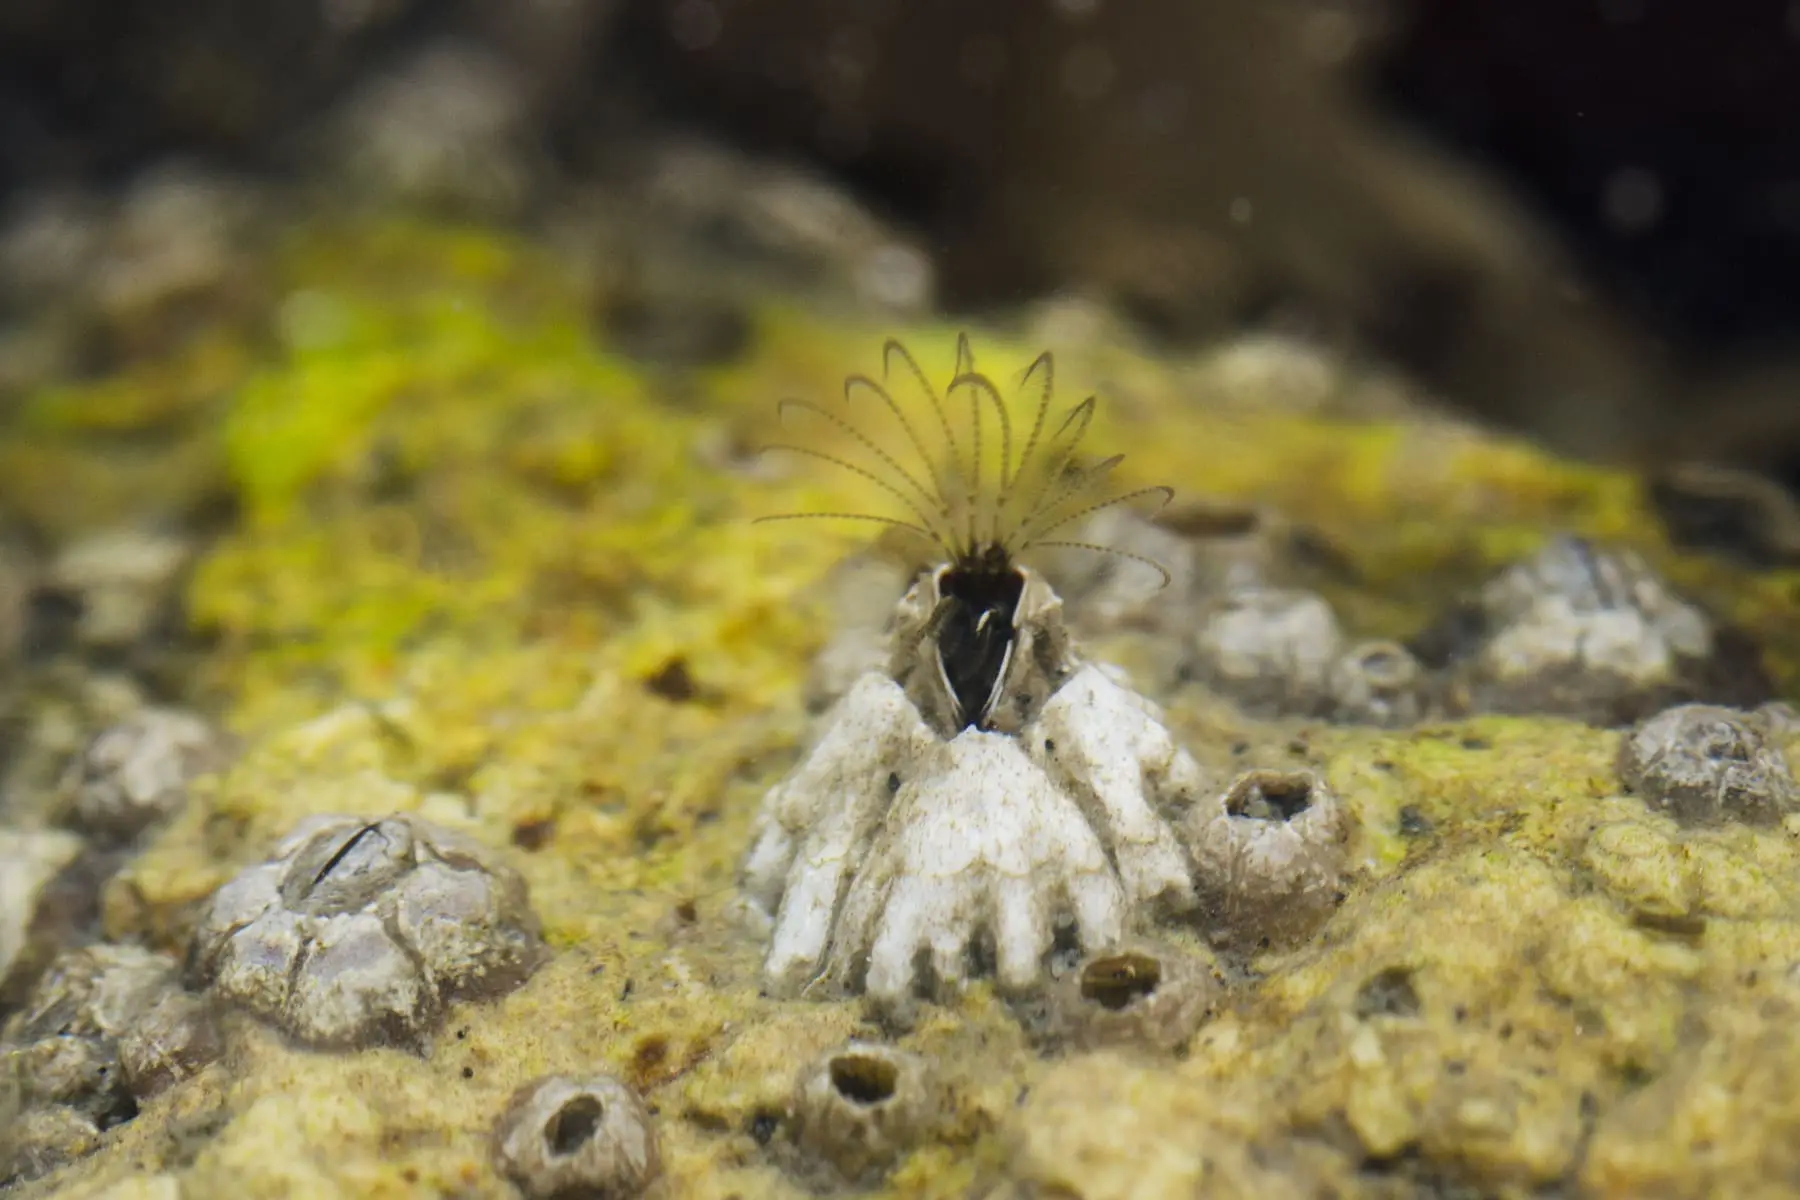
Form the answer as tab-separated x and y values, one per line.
894	845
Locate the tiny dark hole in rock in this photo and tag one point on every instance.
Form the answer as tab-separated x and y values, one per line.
1049	745
687	912
673	682
533	836
1414	823
1118	979
893	782
763	1126
864	1078
1388	993
573	1124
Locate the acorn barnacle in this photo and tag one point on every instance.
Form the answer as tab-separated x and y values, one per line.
984	793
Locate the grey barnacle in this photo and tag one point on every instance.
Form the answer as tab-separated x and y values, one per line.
989	789
358	931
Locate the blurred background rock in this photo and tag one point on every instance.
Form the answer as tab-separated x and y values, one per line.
1580	218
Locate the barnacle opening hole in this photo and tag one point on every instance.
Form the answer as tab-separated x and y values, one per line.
1118	980
864	1079
573	1125
1271	796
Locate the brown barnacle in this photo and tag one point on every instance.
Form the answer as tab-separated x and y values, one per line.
858	1109
1268	854
1142	995
1704	765
567	1136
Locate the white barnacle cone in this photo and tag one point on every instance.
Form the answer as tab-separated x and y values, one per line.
1268	855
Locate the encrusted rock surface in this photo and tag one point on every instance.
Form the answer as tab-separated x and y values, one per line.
482	575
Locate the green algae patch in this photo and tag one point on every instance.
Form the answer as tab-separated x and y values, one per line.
485	570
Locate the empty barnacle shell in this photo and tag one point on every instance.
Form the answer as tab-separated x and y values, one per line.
1143	994
1703	764
859	1108
986	791
568	1136
359	931
1268	856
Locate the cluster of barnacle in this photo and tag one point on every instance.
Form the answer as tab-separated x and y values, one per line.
983	798
1575	630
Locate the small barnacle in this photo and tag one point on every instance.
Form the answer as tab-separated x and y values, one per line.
859	1108
359	931
1031	785
1377	683
1269	854
1143	995
1703	765
1270	649
577	1136
137	772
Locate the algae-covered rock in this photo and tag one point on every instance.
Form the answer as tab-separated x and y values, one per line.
477	574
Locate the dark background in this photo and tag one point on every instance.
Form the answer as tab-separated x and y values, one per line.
1580	217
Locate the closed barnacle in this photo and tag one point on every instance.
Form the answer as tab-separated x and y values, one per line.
1141	995
1270	649
857	1110
1268	855
577	1138
1704	765
360	931
137	772
1377	683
